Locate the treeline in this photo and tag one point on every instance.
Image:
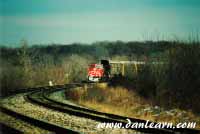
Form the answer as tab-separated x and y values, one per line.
176	83
31	66
97	50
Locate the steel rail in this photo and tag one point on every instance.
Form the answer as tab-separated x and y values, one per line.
39	123
5	129
42	99
46	94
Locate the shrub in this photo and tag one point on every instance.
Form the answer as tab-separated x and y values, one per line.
181	77
176	82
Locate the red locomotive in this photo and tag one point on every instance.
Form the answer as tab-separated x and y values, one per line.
99	72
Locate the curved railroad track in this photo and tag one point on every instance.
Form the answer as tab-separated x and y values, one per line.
40	96
51	127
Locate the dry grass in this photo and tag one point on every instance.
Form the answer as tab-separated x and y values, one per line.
125	102
87	126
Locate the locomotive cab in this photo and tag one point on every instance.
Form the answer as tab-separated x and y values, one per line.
95	72
99	72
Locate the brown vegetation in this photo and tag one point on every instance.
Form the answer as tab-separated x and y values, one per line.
121	101
174	84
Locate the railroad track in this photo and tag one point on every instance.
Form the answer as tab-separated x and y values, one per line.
39	123
5	129
53	128
42	98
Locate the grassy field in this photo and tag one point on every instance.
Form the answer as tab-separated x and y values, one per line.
121	101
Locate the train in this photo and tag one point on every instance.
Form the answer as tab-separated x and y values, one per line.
99	71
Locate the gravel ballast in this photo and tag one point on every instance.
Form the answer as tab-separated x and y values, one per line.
19	104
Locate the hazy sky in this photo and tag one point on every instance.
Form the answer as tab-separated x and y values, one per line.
67	21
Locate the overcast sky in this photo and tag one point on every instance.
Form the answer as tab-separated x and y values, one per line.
86	21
